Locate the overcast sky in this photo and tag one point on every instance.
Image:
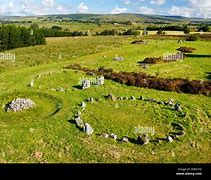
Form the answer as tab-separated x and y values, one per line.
187	8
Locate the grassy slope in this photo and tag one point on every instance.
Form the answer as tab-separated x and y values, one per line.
61	141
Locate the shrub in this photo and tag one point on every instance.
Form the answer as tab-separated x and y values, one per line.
186	49
152	60
193	37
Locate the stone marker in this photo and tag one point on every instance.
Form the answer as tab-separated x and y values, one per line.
114	136
169	139
88	129
177	107
79	121
104	135
132	98
143	139
83	104
125	139
86	84
111	97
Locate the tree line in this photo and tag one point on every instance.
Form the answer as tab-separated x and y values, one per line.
12	37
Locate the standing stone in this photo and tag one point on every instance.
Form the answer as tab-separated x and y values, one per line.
86	84
169	139
105	135
141	98
171	102
31	84
79	121
83	104
111	97
91	100
125	139
114	136
133	98
88	129
100	81
177	107
143	139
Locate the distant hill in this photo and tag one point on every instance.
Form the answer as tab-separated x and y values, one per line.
120	18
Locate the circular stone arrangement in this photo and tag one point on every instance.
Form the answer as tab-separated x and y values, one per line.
19	104
141	139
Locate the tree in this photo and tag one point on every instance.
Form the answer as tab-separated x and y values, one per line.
203	28
186	30
34	26
159	31
56	28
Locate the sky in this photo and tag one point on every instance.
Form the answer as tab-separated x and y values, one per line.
186	8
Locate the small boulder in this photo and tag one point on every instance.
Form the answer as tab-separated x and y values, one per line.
114	136
104	135
88	129
169	139
125	139
143	139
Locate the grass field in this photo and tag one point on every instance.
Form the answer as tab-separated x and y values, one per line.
36	135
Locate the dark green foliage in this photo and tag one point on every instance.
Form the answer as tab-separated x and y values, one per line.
186	30
13	37
204	28
193	37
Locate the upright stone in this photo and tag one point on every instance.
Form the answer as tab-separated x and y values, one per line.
86	84
143	139
88	129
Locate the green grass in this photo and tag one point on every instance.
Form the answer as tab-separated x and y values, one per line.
23	133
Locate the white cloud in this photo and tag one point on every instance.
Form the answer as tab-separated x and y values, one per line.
48	3
202	8
181	11
118	10
157	2
201	3
126	2
82	8
146	10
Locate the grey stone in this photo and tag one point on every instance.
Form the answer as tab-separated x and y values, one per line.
114	136
125	139
86	84
118	58
111	97
88	129
90	100
120	98
104	135
143	139
169	139
133	98
141	98
19	104
79	121
100	80
177	107
83	104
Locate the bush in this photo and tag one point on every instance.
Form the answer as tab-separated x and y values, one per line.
186	49
152	60
193	37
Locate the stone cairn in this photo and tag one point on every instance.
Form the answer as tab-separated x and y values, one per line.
20	104
142	139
